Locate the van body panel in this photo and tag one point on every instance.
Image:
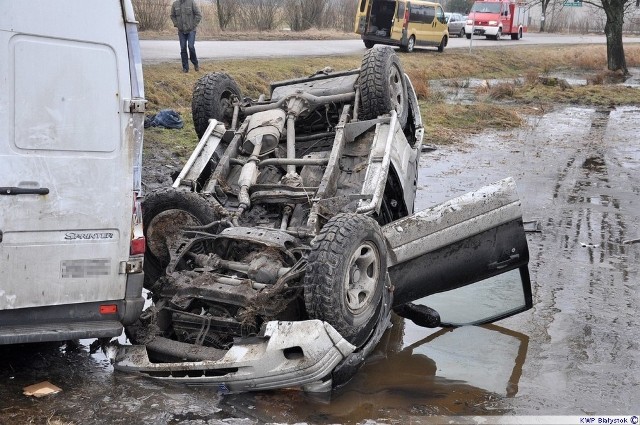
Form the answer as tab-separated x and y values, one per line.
69	144
383	22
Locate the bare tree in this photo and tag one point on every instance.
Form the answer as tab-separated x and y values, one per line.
615	11
151	14
304	14
260	14
340	15
226	11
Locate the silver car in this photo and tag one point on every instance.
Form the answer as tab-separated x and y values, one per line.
289	237
456	23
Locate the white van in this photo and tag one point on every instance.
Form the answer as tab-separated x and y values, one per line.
71	123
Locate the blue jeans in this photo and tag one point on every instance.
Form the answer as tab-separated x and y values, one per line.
190	39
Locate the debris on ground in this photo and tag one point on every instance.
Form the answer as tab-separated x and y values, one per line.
41	389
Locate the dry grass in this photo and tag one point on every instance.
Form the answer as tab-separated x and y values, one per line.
502	91
449	123
167	87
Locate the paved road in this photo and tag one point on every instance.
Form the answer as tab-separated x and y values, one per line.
163	50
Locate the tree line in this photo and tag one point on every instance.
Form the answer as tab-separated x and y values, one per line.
256	15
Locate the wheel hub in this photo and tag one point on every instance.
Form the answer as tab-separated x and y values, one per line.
396	89
165	228
363	276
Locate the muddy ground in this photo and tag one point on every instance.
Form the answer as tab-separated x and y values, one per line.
577	352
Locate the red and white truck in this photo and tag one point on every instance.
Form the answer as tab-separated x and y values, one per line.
495	18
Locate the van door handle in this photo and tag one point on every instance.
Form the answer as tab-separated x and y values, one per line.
23	191
497	265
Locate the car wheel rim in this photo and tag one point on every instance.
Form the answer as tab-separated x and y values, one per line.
363	276
410	47
396	89
163	230
226	104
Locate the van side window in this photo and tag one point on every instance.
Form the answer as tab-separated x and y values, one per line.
400	12
430	14
417	13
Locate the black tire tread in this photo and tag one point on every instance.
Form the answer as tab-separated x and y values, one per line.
374	91
325	267
205	102
164	199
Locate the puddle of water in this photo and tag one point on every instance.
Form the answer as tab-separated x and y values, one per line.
462	90
577	171
576	352
448	372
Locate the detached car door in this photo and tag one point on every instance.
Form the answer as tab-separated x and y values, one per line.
465	258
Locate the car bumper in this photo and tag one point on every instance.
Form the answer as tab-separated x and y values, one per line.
481	30
287	354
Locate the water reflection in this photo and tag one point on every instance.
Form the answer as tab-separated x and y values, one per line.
461	371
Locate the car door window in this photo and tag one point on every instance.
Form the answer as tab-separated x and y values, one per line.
439	14
482	302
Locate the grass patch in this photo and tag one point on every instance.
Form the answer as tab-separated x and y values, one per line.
167	87
450	123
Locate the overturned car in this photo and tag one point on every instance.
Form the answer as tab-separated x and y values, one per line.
289	237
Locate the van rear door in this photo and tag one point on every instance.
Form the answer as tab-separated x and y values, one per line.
362	16
66	179
397	28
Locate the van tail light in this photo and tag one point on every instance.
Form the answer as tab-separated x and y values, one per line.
138	241
405	24
137	246
108	309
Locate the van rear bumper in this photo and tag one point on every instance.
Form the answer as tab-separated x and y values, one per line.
72	321
384	40
46	332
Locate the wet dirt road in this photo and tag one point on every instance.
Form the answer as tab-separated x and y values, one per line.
576	352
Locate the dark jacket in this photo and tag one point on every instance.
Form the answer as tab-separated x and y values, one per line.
185	15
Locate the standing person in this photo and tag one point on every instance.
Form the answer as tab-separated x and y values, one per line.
186	16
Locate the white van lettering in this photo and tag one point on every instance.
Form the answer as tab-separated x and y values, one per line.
70	236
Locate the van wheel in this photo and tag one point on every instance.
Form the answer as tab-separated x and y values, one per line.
165	213
442	44
518	35
213	97
461	34
498	35
346	274
411	44
383	86
368	44
468	36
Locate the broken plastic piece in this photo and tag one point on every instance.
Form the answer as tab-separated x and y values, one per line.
41	389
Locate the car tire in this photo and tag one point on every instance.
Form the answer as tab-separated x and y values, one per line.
442	44
498	35
346	275
411	44
461	33
468	36
213	97
369	44
165	213
383	86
